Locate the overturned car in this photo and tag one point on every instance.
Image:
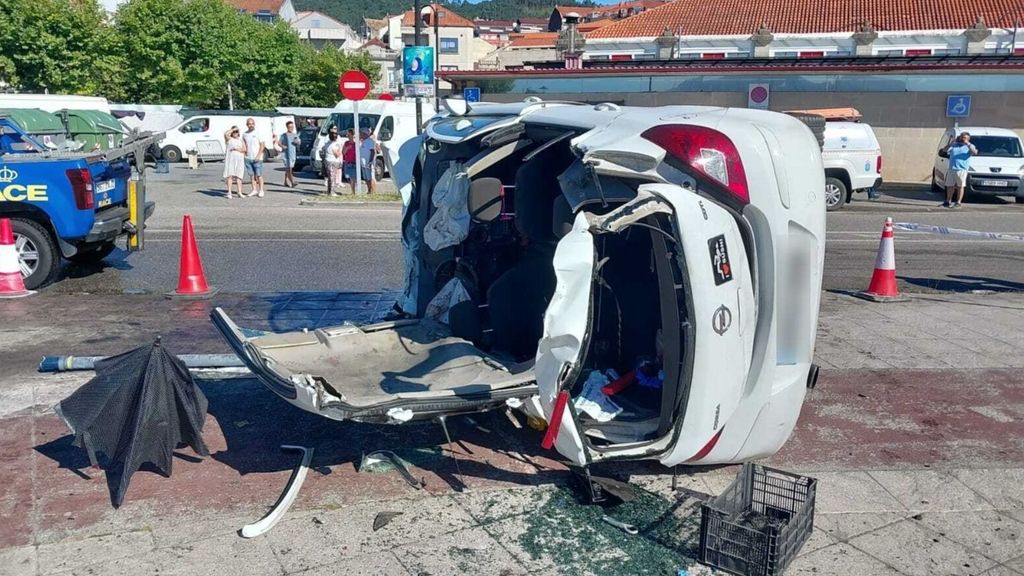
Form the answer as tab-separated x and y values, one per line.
659	266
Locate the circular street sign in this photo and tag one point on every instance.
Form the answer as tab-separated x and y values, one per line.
354	85
759	94
387	96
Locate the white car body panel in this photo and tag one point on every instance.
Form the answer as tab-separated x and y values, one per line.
1001	168
747	376
213	137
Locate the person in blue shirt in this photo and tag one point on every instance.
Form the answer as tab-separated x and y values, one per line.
289	145
959	152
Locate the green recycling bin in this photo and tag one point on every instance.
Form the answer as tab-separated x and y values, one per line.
97	130
45	127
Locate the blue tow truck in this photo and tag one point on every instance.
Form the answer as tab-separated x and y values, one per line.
71	205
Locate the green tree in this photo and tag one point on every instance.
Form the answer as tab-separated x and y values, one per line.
317	82
57	45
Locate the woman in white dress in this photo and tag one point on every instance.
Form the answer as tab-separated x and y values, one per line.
234	159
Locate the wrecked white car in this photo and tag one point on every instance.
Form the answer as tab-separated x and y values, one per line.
661	267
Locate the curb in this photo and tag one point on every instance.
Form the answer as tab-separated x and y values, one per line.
347	203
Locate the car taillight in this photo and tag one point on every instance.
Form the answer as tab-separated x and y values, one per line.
81	185
707	151
878	164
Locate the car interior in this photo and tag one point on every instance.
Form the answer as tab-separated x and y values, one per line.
523	198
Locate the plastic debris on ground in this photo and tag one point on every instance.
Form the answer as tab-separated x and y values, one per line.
451	294
593	401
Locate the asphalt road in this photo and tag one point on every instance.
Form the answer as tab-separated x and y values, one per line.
276	244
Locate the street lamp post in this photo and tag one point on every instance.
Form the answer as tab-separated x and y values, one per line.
432	10
417	25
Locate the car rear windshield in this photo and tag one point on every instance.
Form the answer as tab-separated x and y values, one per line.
344	121
998	146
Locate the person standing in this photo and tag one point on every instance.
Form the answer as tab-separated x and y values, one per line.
234	160
254	149
289	143
348	157
959	152
332	162
368	151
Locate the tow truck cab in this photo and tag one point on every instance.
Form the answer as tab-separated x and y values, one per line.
659	266
72	205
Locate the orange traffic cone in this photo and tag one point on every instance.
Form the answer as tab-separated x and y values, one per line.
12	285
883	282
191	278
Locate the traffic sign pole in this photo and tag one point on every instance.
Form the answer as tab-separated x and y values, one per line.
355	85
357	186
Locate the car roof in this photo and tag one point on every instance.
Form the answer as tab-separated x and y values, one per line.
985	131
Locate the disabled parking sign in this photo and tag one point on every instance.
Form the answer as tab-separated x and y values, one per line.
958	106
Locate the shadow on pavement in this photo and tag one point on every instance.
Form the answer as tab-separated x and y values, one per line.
956	283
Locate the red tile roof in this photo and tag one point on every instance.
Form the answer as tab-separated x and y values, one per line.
534	40
254	6
448	18
594	25
731	17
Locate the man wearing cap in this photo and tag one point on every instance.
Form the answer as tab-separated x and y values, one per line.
367	158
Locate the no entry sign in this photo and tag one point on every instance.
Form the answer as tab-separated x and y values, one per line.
354	85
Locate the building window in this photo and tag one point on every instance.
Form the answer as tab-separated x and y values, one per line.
812	54
1016	51
712	55
316	23
743	54
599	57
918	52
896	52
946	52
644	56
449	68
785	54
449	45
621	57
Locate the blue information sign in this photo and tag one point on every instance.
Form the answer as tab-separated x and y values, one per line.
471	94
958	106
418	70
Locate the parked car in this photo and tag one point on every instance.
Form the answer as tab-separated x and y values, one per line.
62	204
307	138
852	158
997	168
554	248
393	123
204	132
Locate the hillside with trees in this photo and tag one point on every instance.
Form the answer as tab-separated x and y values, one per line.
190	52
353	11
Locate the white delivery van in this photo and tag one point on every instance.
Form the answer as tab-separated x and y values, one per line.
204	132
393	123
853	161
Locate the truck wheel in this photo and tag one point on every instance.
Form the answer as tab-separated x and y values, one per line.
37	253
835	194
93	253
171	154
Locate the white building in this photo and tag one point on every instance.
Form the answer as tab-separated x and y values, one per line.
806	29
322	31
389	62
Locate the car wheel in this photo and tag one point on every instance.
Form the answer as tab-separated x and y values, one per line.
37	252
171	154
378	169
93	253
835	194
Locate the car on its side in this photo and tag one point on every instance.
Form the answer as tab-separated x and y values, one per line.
997	168
852	158
554	248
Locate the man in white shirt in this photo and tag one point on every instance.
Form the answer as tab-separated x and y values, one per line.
254	149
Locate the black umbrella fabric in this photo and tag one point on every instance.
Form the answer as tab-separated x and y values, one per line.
139	407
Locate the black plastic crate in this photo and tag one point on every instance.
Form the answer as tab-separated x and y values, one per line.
757	526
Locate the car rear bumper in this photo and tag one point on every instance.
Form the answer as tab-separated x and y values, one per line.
109	223
984	184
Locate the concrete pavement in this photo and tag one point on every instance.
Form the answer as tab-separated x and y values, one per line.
914	434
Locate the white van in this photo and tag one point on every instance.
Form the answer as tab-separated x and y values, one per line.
997	168
393	123
853	161
204	132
